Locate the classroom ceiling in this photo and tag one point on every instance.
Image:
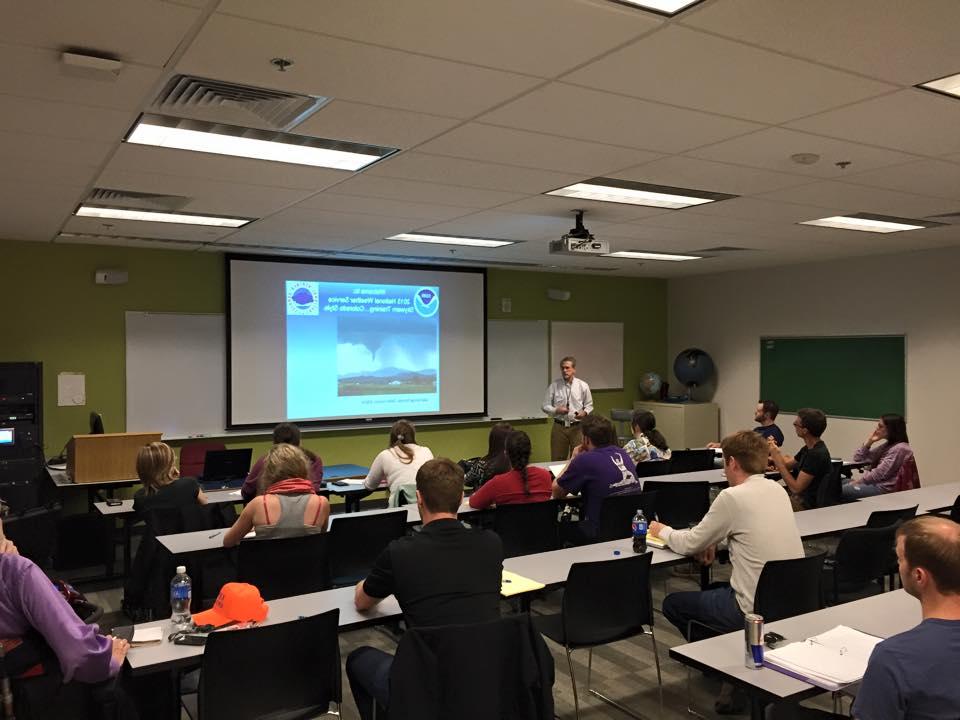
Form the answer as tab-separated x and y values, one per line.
491	105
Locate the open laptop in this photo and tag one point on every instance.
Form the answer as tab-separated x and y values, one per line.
225	468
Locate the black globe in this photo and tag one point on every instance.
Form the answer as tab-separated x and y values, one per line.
693	367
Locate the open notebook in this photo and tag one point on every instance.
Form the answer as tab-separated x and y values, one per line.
830	660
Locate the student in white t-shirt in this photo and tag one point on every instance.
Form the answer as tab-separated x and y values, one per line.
398	464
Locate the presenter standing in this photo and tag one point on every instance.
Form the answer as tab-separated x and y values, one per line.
568	401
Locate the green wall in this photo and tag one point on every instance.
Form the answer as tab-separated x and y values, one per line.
60	317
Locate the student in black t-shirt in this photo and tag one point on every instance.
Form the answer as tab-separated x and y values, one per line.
162	485
804	472
443	575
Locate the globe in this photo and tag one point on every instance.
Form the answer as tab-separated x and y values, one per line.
650	384
693	367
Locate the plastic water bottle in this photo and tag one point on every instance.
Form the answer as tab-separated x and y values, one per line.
181	591
639	530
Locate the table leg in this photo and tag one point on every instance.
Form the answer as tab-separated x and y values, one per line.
127	532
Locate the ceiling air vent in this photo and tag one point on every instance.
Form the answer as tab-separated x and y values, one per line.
136	200
244	105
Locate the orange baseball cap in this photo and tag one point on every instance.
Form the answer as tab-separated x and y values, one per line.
237	602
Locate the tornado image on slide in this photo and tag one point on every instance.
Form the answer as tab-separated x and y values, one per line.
386	355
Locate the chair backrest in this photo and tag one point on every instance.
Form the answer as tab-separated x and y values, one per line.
187	518
617	511
883	518
682	461
908	476
607	600
621	421
526	528
789	587
652	468
289	669
680	504
357	540
193	454
863	554
34	532
283	567
830	491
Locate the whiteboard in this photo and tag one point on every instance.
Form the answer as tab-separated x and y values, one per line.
598	348
517	368
175	373
176	366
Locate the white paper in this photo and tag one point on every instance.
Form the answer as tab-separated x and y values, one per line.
71	389
147	634
832	659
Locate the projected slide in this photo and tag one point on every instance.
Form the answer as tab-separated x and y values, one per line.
361	349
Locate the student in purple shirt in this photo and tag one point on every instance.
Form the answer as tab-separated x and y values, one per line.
290	434
886	460
599	468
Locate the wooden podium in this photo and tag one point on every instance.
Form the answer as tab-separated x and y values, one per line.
106	457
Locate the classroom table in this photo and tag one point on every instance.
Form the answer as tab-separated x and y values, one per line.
62	481
354	491
881	615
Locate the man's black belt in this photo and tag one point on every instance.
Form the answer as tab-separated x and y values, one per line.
562	422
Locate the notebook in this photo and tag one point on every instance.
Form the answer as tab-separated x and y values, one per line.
830	660
513	584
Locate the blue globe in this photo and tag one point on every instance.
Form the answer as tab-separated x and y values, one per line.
693	367
650	384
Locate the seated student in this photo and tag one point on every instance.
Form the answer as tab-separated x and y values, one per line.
398	464
290	434
598	468
288	504
886	460
446	574
520	484
648	443
804	472
765	414
479	470
162	485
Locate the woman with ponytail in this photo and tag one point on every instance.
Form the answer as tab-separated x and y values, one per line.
521	484
397	465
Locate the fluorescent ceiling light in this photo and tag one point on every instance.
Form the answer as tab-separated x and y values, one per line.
664	7
450	240
636	193
199	136
949	85
163	217
651	256
865	222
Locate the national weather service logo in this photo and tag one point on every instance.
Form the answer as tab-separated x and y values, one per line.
303	298
426	301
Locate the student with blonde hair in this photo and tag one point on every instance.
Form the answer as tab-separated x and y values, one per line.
162	485
398	464
286	505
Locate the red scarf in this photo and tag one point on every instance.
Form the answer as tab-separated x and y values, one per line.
291	486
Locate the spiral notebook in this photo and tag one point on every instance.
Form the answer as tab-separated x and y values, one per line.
830	660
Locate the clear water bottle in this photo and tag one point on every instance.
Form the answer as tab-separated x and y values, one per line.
638	528
181	592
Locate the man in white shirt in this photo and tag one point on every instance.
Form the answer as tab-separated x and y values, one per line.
753	517
568	401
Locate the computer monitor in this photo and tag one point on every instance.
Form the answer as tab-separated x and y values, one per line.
7	436
226	468
96	424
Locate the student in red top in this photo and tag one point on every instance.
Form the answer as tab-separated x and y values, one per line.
521	484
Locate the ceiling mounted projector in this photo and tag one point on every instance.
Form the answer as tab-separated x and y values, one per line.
579	241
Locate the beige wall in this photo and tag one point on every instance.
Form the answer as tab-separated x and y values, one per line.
916	294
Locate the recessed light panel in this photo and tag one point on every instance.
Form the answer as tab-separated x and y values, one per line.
450	240
199	136
865	222
663	7
636	193
162	217
652	256
949	85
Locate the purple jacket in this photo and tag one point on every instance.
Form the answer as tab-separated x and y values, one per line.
29	600
885	463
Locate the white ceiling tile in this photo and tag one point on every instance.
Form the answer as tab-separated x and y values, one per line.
910	120
428	250
38	148
470	173
392	188
906	43
533	150
70	122
739	232
562	208
240	51
146	230
332	224
696	174
46	171
692	69
522	37
142	31
584	114
927	177
771	149
371	125
504	226
857	198
72	239
34	211
426	212
765	210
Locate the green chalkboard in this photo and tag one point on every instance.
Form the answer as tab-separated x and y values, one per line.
857	377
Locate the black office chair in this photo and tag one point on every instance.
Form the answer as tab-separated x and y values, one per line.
787	588
884	518
680	504
622	422
684	461
861	561
527	528
289	670
653	468
34	532
284	567
830	491
603	602
617	511
357	540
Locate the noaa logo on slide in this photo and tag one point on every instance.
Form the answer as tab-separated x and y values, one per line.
426	301
303	297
